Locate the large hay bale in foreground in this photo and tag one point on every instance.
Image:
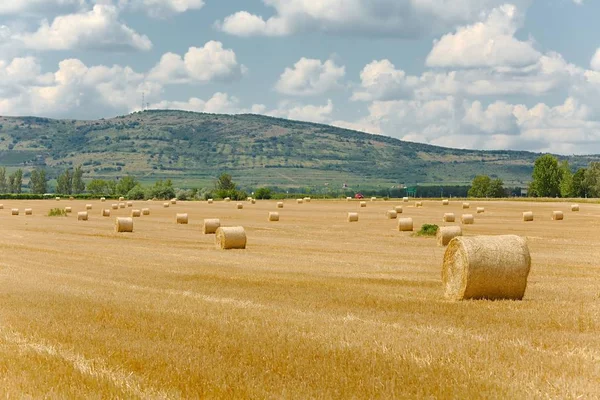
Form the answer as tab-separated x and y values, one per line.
88	206
467	219
124	224
145	211
575	207
280	204
114	206
82	216
399	209
445	202
136	213
405	225
528	216
486	267
211	225
352	217
363	204
182	219
106	212
14	211
449	217
446	233
273	216
231	238
466	206
557	216
28	211
391	214
239	206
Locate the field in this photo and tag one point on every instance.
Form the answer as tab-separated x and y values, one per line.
315	307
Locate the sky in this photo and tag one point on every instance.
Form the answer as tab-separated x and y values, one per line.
480	74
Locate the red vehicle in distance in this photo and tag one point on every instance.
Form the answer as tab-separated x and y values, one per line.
359	196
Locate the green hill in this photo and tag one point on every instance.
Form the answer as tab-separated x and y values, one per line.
192	148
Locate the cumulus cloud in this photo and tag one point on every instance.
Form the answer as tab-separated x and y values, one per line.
21	6
219	103
304	112
595	63
162	8
310	77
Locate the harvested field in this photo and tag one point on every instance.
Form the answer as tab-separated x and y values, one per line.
314	307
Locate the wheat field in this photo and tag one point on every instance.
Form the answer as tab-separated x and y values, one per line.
315	307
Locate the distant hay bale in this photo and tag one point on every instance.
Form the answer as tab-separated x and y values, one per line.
557	216
114	206
173	201
145	211
210	201
166	204
391	214
405	199
363	204
121	198
418	204
136	213
449	217
210	226
14	211
121	205
352	217
280	204
398	209
248	198
273	216
57	198
446	233
253	201
466	206
239	206
299	201
68	209
28	211
88	206
227	199
348	198
480	210
467	219
231	238
405	225
71	198
528	216
373	198
574	207
307	199
182	219
82	216
486	267
124	225
1	206
130	204
445	202
103	199
106	212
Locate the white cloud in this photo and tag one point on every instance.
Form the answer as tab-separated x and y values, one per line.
208	63
219	103
310	112
380	80
98	29
595	63
21	6
162	8
310	77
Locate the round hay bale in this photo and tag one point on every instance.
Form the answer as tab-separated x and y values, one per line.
71	198
466	206
307	199
182	219
352	217
28	211
449	217
280	204
418	204
348	198
391	214
299	201
446	233
467	219
405	225
103	199
106	212
273	216
445	202
166	205
210	226
121	198
248	198
136	213
363	204
227	199
1	206
173	201
210	201
239	206
405	199
68	209
557	216
82	216
253	201
528	216
123	224
121	205
575	207
145	211
486	267
398	209
231	238
480	210
373	198
114	206
57	198
130	204
14	211
88	206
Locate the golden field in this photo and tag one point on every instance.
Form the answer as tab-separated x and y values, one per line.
315	307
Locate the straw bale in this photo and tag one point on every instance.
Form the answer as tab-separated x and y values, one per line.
363	204
106	212
449	217
145	211
405	224
557	216
528	216
575	207
467	219
210	201
352	217
273	216
88	206
391	214
130	204
239	206
445	202
210	226
280	204
124	224
418	204
121	205
102	199
115	206
14	211
446	233
398	209
231	238
28	211
166	204
405	199
136	213
480	210
182	219
68	209
466	206
227	199
82	216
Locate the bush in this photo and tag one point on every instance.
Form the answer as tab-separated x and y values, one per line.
428	230
136	193
57	212
263	194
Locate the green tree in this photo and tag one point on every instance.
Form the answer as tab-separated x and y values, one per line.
566	180
263	194
162	190
137	193
125	184
592	179
38	181
579	187
64	183
225	182
496	189
11	183
98	187
78	184
3	183
18	181
480	186
546	177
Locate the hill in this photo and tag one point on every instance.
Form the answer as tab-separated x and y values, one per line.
192	148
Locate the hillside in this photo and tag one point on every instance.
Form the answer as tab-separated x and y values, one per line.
192	148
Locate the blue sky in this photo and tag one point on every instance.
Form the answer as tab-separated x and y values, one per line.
485	74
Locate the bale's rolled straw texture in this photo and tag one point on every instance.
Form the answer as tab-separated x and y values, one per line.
467	219
226	199
124	224
136	213
82	216
528	216
373	198
273	216
299	201
182	219
28	211
486	267
173	201
449	217
166	205
445	202
121	205
115	206
391	214
557	216
575	207
68	209
106	212
14	211
398	209
239	206
405	225
103	199
231	238
88	206
405	199
280	204
418	204
352	217
466	206
121	198
446	233
363	203
210	201
130	204
145	211
348	198
480	210
210	226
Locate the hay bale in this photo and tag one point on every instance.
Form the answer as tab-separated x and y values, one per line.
1	206
14	211
166	204
352	217
145	211
449	217
253	201
299	201
405	225
71	198
210	226
307	199
273	216
106	212
348	198
363	204
480	210
239	206
373	198
486	267
418	204
466	206
124	224
227	199
398	209
231	238
182	219
405	199
574	207
28	211
391	214
115	206
445	202
121	198
528	216
82	216
467	219
130	204
102	199
136	213
557	216
57	198
88	206
248	198
173	201
68	209
121	205
446	233
210	201
280	204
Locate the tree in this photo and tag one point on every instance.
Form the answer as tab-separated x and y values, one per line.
579	187
78	184
11	183
566	180
496	189
162	190
263	194
3	184
16	181
225	182
480	186
98	187
592	179
38	181
137	193
546	177
125	184
64	183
